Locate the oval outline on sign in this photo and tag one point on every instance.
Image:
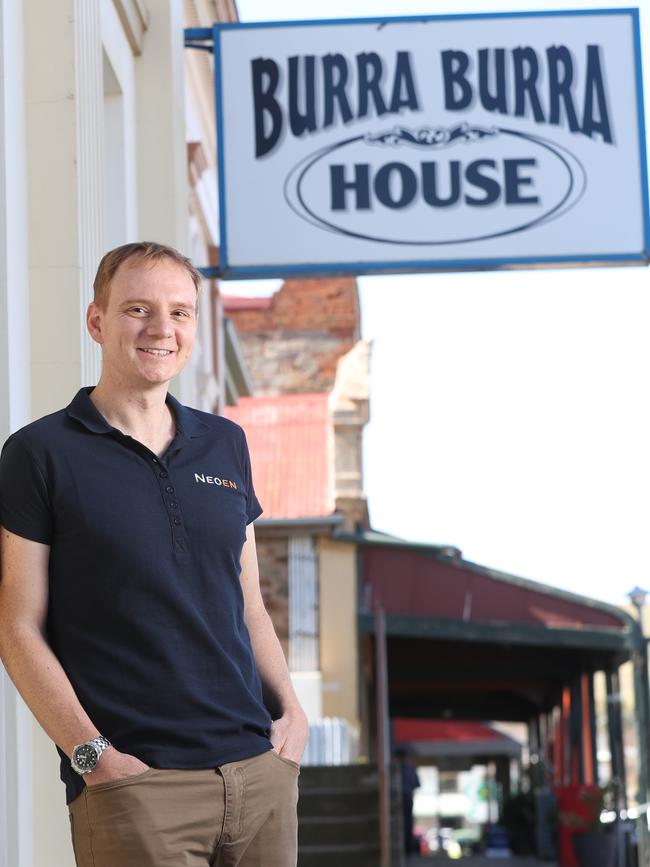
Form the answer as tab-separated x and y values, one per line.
557	210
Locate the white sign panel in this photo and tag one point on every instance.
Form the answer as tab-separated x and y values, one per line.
414	144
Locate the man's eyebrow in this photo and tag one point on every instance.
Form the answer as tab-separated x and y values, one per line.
184	304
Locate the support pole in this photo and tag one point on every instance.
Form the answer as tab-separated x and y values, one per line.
641	701
591	699
576	729
615	732
589	768
383	739
561	740
615	729
502	766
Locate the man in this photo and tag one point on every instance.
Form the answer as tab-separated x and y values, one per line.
131	620
410	781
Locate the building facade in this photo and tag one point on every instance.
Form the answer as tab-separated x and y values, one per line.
309	371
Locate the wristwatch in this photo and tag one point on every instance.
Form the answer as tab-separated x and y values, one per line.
85	756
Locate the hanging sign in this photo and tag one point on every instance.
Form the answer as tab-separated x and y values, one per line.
418	144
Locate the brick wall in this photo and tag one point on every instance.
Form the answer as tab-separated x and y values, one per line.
292	343
273	558
293	340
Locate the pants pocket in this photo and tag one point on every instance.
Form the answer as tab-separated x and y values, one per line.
287	761
116	784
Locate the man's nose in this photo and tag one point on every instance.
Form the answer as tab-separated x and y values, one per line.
160	325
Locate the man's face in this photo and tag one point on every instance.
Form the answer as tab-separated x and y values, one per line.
148	328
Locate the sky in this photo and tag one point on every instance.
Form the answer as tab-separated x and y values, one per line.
509	411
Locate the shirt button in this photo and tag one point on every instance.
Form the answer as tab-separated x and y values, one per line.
173	505
169	489
177	521
155	460
164	475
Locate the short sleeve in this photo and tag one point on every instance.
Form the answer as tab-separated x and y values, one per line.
253	507
24	498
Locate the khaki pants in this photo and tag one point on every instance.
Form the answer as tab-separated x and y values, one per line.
241	813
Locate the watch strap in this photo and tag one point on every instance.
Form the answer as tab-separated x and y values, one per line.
101	743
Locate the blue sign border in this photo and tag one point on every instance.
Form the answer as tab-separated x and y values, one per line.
424	265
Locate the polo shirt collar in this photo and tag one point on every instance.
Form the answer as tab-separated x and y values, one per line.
186	421
83	410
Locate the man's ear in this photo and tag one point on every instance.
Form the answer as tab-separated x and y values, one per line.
94	322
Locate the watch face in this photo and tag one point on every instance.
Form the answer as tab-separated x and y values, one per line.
85	757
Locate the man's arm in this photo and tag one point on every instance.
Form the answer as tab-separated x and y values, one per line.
290	731
30	662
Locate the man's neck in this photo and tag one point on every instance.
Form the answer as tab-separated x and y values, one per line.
140	413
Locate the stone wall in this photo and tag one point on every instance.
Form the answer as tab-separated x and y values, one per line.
292	341
273	558
306	338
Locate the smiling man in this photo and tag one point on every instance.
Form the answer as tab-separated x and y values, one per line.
131	618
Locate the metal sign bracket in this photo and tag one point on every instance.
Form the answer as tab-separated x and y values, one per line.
203	39
199	37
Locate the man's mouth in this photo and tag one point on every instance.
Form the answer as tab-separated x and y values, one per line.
160	352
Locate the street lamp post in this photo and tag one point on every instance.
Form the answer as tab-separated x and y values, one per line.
637	597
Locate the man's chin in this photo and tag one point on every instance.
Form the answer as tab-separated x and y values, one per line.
150	379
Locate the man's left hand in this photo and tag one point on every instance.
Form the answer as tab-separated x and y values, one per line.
289	734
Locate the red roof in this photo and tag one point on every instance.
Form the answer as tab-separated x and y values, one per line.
240	302
288	441
409	730
454	589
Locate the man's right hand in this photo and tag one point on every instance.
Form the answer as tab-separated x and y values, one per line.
114	765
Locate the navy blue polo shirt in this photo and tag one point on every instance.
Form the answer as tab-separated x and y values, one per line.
146	610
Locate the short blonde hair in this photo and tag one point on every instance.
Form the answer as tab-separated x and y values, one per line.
145	251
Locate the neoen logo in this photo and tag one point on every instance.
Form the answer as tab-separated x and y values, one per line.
214	480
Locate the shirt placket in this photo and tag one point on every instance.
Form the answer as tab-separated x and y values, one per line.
163	475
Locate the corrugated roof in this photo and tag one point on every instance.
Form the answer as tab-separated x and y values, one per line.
288	441
435	580
413	581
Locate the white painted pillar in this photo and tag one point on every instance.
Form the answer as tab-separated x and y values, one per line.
64	103
14	294
15	720
161	145
64	108
89	113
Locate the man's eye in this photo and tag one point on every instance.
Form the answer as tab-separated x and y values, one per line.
181	313
137	310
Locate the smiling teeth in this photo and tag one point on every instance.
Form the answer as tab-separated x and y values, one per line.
158	351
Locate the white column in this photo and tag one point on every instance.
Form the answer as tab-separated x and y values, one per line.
120	120
63	105
161	145
15	727
89	109
14	295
